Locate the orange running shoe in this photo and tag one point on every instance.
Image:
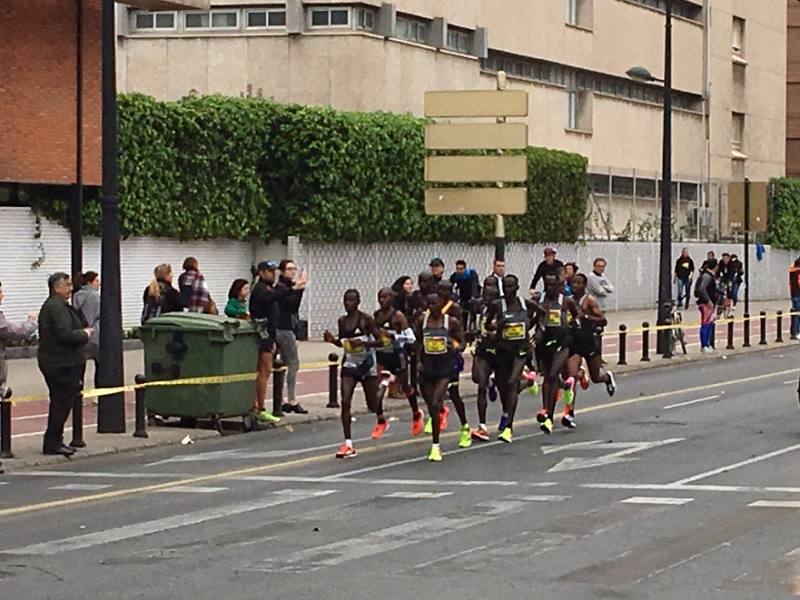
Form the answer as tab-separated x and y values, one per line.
583	379
443	418
346	451
480	434
380	429
417	423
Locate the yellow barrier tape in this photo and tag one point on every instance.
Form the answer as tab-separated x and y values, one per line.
756	317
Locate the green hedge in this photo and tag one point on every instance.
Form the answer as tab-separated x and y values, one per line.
215	166
784	217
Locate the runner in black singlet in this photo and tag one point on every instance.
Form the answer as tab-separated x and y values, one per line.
484	361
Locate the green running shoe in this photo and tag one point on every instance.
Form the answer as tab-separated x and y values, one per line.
533	390
428	426
265	416
465	439
435	455
506	435
547	426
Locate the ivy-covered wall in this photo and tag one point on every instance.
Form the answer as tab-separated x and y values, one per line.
214	166
784	218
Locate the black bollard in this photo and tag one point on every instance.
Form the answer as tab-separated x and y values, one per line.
141	408
278	376
412	358
731	327
779	325
333	380
5	426
623	340
762	318
77	423
746	324
712	339
645	342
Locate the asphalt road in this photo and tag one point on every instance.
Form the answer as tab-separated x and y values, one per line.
684	485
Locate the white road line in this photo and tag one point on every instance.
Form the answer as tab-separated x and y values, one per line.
790	382
3	483
82	487
385	540
96	475
541	498
192	489
407	482
136	530
743	463
775	504
690	402
450	556
654	500
667	487
418	495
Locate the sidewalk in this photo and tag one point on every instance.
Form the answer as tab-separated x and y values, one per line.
29	417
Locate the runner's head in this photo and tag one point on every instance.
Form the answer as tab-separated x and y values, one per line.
435	303
510	286
552	285
386	298
352	299
425	282
445	289
578	284
490	292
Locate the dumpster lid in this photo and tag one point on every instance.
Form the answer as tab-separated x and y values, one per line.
194	322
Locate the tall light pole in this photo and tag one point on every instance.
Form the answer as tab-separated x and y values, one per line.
665	259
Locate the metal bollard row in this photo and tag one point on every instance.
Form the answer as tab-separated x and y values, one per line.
623	341
333	380
5	426
645	342
141	408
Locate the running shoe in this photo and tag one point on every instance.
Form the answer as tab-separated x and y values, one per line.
568	421
465	439
505	435
492	390
435	455
480	435
611	384
380	429
428	426
547	426
443	418
584	381
533	385
502	425
541	416
346	451
265	416
569	391
417	423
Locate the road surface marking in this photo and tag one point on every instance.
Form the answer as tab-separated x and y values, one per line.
157	526
408	482
736	465
680	563
418	495
450	557
300	462
193	489
654	500
775	504
623	452
85	487
94	475
541	498
692	488
386	540
690	402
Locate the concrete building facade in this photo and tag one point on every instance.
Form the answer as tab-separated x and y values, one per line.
571	55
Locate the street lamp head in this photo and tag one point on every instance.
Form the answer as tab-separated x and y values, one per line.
640	74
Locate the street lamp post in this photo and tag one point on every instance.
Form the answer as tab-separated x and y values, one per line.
665	260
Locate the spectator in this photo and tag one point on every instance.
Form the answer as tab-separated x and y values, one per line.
437	270
87	302
498	272
194	289
711	258
236	307
599	286
549	266
62	359
737	277
794	292
403	287
286	329
467	288
684	270
159	296
570	269
706	293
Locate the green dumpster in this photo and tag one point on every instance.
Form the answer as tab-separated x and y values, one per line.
188	345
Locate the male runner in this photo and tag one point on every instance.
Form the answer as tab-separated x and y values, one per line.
484	357
445	291
438	336
358	335
396	334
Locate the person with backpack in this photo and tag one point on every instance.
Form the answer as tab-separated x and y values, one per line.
159	296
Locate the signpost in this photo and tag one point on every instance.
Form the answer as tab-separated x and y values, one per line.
748	212
447	166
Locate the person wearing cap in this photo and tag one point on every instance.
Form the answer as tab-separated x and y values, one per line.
549	266
264	307
437	270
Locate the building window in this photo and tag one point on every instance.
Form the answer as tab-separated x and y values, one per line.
215	19
680	8
599	184
737	38
737	132
365	19
266	19
330	17
579	13
458	40
197	20
415	31
144	21
579	111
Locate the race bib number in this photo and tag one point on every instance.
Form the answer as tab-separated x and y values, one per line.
554	317
435	345
353	346
514	332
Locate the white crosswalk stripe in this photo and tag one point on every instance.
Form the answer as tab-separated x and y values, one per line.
418	495
192	489
81	487
656	500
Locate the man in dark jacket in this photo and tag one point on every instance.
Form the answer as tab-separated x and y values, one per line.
62	360
467	288
286	328
549	266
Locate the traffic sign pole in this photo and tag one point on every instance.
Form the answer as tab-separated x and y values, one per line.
746	246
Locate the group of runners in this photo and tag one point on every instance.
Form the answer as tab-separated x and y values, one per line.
538	343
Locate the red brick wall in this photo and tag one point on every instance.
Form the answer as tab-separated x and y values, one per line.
38	91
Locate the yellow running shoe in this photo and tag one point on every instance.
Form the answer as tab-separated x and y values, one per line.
465	440
428	426
547	426
435	455
505	436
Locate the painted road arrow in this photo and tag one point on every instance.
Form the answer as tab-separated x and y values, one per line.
623	452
